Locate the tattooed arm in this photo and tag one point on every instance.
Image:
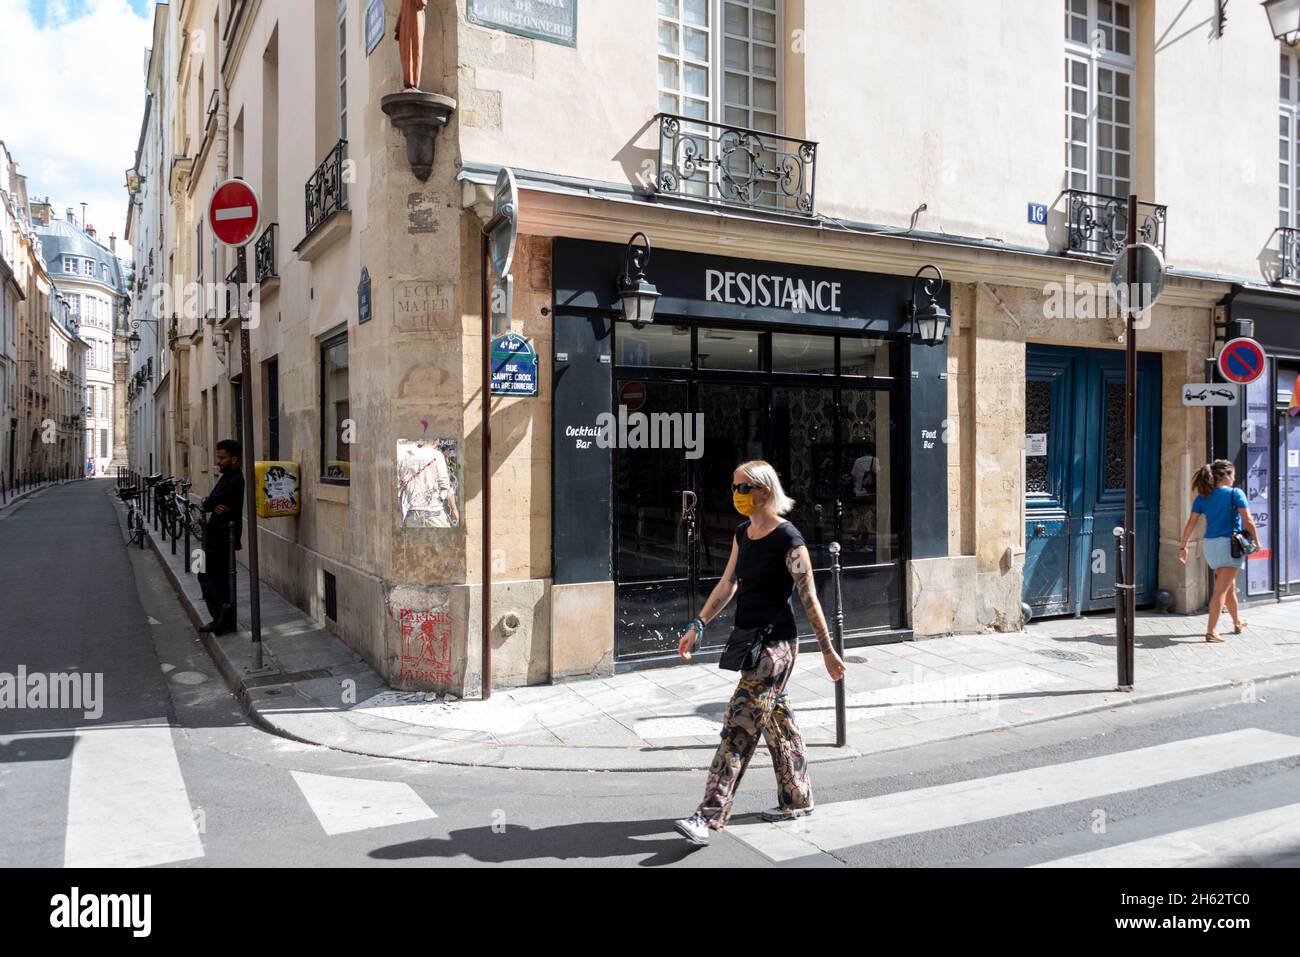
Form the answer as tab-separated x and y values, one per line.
799	564
718	598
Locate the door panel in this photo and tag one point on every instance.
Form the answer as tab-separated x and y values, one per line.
735	430
651	558
1075	492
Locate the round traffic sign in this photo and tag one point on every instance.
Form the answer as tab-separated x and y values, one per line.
1150	281
505	201
1241	360
632	395
234	212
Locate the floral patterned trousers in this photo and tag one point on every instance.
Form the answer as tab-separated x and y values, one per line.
759	706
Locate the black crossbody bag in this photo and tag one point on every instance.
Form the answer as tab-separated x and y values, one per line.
1242	545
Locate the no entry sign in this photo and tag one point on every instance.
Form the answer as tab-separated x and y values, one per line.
632	395
1241	360
234	212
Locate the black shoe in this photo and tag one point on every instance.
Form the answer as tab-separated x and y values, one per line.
211	628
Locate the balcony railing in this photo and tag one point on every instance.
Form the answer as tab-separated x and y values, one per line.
1098	224
326	192
264	255
1288	255
736	166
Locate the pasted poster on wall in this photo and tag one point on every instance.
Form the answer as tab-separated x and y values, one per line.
277	489
426	646
429	473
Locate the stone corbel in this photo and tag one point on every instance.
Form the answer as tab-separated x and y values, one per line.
420	116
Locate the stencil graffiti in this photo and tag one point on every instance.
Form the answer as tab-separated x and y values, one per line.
426	646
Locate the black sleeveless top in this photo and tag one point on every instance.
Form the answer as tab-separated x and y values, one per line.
765	582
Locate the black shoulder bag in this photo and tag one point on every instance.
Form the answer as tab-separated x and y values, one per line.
1242	545
744	647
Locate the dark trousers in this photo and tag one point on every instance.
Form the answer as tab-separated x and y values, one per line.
215	582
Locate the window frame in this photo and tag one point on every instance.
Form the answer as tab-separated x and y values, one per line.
1289	113
717	65
1097	58
327	342
341	65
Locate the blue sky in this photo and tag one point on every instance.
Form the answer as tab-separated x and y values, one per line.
73	9
73	128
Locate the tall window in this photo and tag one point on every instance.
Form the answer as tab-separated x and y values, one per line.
103	443
1288	130
1099	81
720	60
334	409
342	49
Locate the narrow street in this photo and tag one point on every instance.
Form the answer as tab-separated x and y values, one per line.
173	774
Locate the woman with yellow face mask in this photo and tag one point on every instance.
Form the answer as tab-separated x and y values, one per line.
769	561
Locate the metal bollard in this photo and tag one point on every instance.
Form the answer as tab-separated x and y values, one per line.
837	640
234	604
1123	667
189	560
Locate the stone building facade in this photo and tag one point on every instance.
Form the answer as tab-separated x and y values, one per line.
966	480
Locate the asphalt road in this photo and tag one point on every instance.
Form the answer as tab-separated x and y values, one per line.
171	774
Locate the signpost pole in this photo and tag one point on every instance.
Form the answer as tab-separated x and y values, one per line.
250	484
1130	456
486	613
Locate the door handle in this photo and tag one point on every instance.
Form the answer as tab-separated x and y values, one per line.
689	499
1039	529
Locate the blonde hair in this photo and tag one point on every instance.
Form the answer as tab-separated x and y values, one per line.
764	475
1207	476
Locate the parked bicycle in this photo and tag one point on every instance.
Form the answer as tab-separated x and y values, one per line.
182	513
134	515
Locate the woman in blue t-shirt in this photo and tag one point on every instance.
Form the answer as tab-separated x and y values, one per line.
1225	511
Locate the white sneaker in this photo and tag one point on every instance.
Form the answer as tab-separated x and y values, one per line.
774	814
694	828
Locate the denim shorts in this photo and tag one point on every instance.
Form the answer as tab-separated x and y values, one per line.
1218	553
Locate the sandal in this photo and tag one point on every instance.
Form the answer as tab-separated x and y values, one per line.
1212	636
1241	626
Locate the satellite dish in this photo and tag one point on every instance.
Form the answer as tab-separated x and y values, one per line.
505	202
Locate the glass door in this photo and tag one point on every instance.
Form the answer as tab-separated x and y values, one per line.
735	429
653	554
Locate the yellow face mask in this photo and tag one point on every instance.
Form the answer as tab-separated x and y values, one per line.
744	503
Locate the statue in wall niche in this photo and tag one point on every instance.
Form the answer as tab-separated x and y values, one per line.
410	42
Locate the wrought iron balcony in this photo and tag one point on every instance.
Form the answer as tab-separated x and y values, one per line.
326	192
1288	255
264	255
1098	224
736	166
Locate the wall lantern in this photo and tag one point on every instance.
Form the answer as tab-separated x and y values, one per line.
1284	19
930	322
638	295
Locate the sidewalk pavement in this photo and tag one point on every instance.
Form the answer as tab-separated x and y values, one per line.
668	719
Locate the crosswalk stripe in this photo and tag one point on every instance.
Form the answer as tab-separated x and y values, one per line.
344	804
127	803
847	823
1229	843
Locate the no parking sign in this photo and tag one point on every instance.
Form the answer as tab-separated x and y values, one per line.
1241	360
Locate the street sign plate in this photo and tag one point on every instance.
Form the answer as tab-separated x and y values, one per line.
514	365
505	200
234	212
1241	360
1150	281
1210	394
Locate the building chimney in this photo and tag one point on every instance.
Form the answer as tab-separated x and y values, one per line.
112	242
90	230
72	218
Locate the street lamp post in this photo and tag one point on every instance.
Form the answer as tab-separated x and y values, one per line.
930	322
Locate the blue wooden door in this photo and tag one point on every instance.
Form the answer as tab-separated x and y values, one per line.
1074	477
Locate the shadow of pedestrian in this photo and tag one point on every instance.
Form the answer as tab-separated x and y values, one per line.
588	839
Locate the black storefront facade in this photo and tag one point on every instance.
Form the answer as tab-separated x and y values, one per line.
816	370
1261	435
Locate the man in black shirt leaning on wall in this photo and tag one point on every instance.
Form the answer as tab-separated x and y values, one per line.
226	505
